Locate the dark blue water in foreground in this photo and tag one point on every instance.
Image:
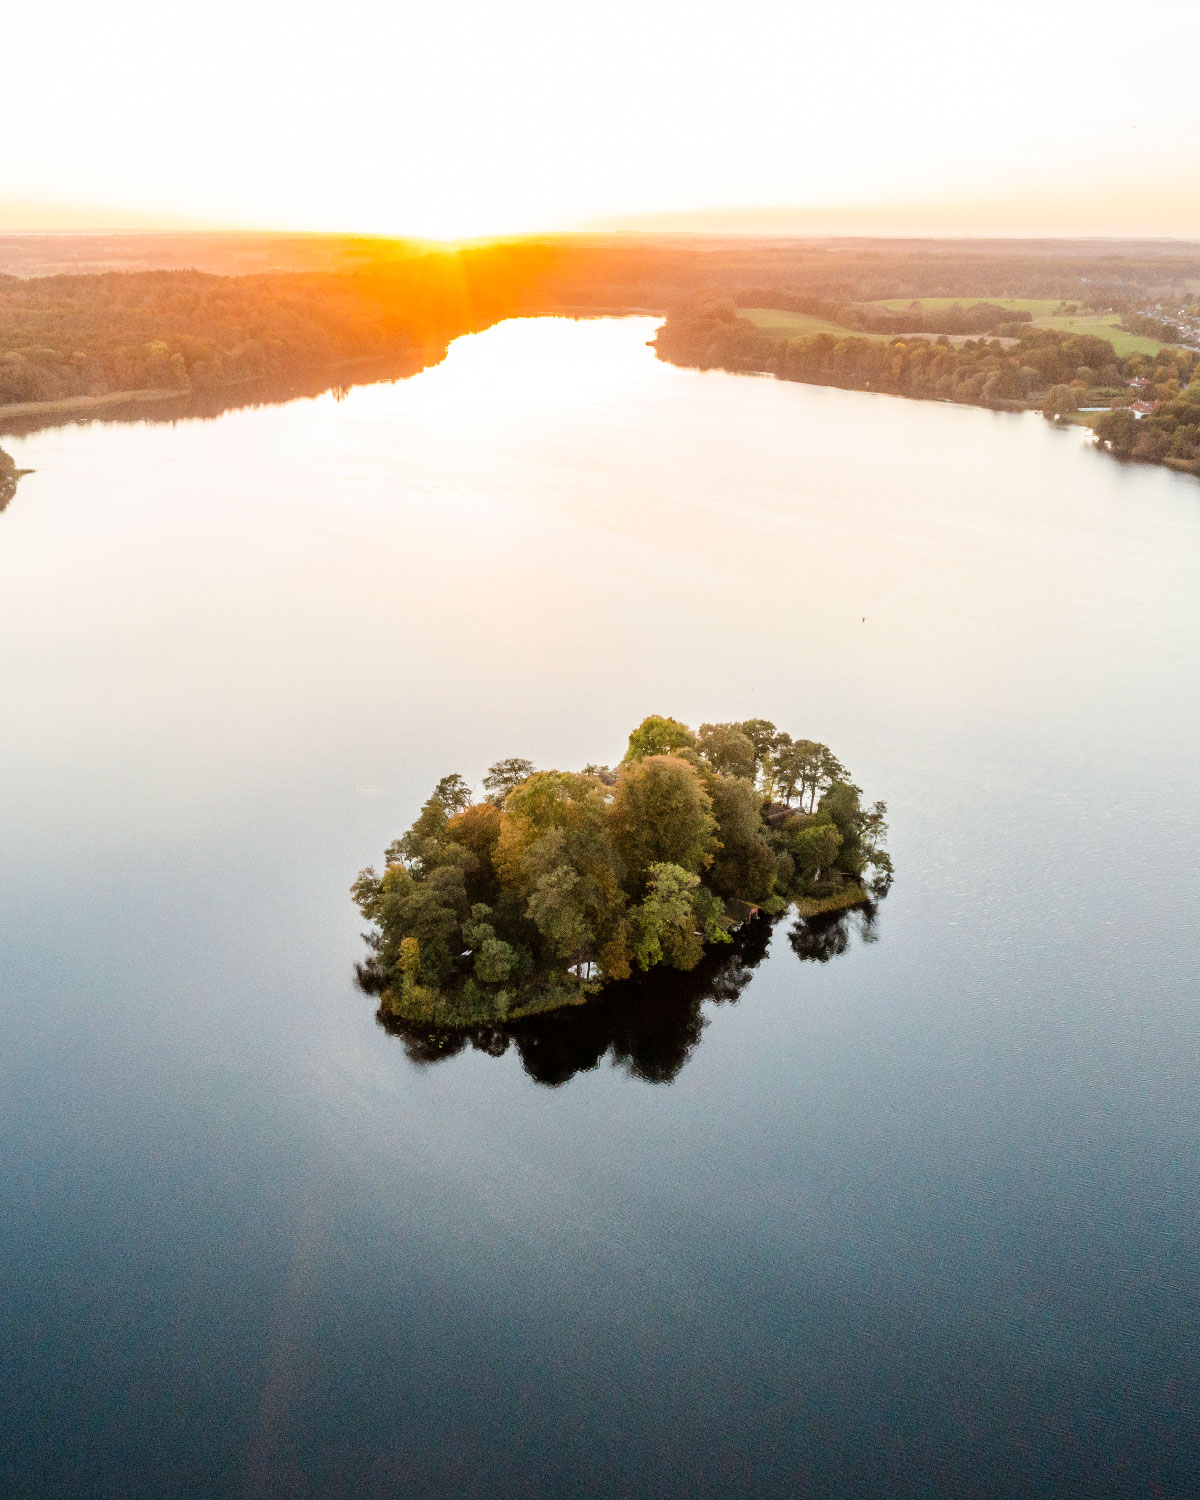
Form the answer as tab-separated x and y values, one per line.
920	1220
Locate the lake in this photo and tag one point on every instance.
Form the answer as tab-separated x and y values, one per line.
919	1220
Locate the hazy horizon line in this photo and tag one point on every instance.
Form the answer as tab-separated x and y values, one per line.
648	231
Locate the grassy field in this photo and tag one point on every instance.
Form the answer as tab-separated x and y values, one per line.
793	324
1045	313
1039	307
1104	326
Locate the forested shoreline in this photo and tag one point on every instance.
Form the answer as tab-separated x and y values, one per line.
1030	369
191	333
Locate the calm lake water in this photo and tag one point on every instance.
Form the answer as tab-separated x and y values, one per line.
920	1220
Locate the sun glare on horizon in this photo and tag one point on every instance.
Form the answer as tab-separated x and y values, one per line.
469	124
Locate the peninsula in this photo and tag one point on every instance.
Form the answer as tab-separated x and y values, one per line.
1143	405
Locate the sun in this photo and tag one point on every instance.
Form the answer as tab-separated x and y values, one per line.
453	227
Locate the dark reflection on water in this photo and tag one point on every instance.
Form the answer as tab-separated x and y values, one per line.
818	939
650	1024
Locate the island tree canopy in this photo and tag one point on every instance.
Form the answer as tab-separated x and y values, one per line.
559	882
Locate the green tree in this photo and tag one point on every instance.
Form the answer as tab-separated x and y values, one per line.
726	749
476	828
504	775
453	793
1118	431
555	851
551	802
784	766
814	850
563	908
744	864
801	768
495	961
1001	385
429	911
762	734
659	736
1060	399
660	814
419	846
366	892
664	921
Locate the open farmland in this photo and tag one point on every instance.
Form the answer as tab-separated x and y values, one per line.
1046	312
795	325
1105	326
1037	307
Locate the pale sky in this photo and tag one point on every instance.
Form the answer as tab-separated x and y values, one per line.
464	119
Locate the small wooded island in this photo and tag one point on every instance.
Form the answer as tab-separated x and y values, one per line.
560	882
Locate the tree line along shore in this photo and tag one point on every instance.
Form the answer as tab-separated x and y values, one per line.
1151	404
68	338
977	324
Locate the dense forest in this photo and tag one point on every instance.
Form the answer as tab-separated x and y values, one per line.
559	883
1170	434
65	336
1032	369
341	302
